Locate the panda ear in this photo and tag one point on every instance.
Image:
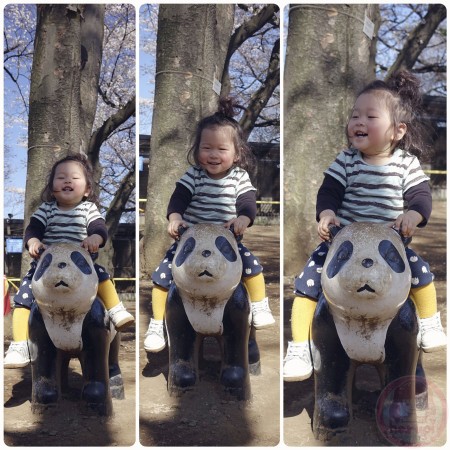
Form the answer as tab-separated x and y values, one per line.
334	230
181	230
406	240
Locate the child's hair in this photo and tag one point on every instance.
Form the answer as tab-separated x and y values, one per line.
47	192
404	102
222	118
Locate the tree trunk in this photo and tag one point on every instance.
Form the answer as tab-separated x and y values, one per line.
328	59
91	61
58	120
192	43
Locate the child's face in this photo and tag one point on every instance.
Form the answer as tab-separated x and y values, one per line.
370	128
69	184
217	153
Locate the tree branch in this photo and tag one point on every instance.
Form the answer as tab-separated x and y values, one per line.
260	98
112	123
418	39
241	34
117	206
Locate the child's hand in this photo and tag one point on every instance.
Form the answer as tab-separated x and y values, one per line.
240	224
92	243
34	247
327	218
406	223
175	222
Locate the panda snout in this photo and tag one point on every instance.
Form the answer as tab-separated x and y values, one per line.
206	253
367	262
61	265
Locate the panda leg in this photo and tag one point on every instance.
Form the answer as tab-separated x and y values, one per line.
332	410
182	337
235	369
398	409
96	344
43	363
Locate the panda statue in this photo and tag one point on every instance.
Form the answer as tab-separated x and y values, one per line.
207	298
67	320
364	316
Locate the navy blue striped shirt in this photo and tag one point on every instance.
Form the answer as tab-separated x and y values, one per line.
66	226
214	201
374	193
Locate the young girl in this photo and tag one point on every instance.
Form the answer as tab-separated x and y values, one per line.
370	181
216	189
68	214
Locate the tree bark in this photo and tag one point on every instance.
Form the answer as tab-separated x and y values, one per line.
328	59
91	61
192	43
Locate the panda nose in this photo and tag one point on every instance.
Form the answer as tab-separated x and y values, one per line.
206	253
61	265
367	263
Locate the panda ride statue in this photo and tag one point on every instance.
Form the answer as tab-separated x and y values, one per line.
207	298
365	316
66	321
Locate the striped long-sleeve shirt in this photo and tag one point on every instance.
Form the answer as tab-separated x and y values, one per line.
214	201
374	193
66	226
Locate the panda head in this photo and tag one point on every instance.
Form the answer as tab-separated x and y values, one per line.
207	260
65	275
366	270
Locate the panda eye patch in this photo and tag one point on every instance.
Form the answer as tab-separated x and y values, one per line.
391	255
44	264
185	251
80	261
342	255
226	249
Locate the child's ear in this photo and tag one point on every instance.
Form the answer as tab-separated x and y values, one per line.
401	131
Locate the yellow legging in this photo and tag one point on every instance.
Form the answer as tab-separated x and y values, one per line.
303	308
256	288
106	292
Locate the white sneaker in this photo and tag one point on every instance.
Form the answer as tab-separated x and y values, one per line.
17	355
261	314
297	363
154	337
120	317
432	334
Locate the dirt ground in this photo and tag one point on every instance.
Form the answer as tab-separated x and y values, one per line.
203	416
70	423
298	402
